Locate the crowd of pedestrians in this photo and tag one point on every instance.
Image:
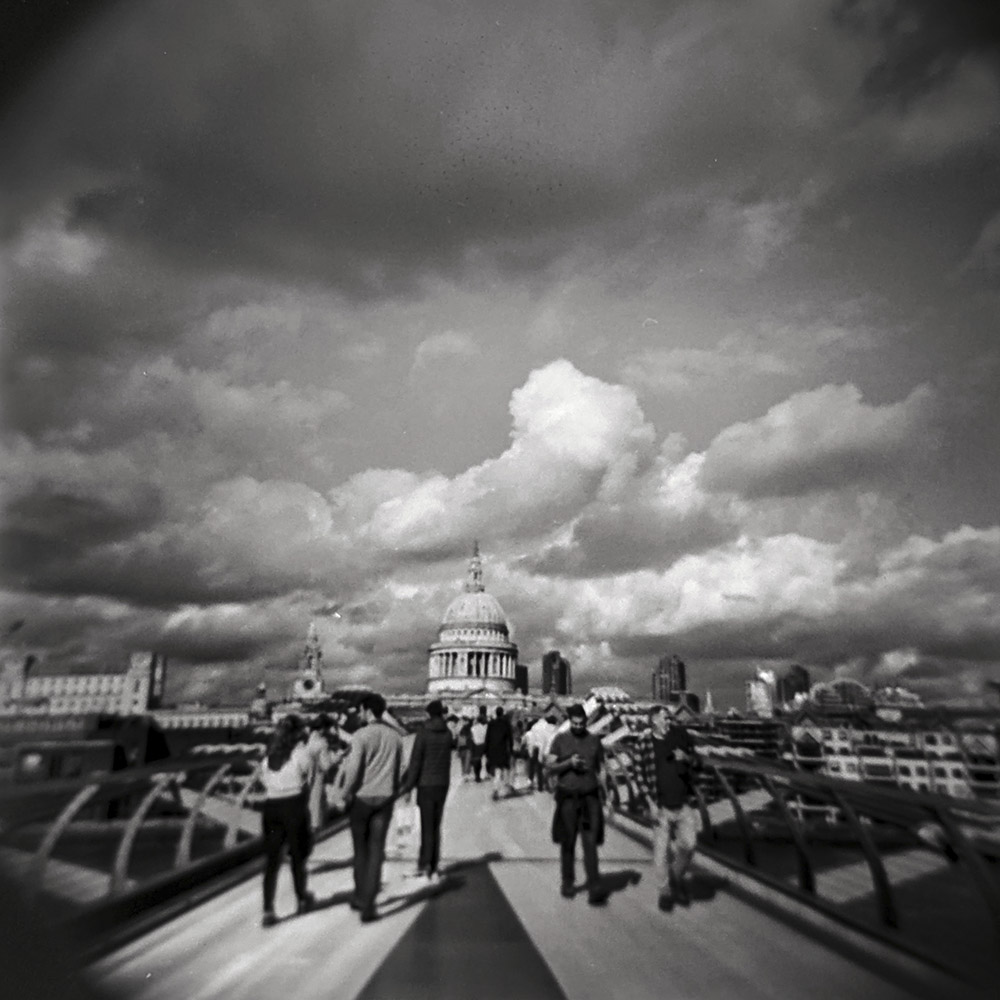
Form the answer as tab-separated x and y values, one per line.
373	775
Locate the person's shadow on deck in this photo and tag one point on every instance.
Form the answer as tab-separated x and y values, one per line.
702	885
612	882
403	896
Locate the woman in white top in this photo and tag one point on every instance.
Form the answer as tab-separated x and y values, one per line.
285	774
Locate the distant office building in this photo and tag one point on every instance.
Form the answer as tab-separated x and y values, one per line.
760	694
669	679
794	681
521	678
557	676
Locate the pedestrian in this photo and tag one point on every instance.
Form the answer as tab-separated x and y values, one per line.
321	760
575	759
465	748
285	820
499	752
373	773
429	772
538	738
479	742
667	763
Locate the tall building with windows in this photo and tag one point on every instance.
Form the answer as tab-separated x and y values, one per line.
557	675
474	652
669	679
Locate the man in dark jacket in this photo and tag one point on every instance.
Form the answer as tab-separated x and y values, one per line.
429	772
575	759
667	761
499	752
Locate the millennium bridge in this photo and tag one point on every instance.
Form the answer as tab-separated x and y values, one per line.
147	884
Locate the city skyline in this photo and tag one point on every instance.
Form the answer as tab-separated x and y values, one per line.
686	311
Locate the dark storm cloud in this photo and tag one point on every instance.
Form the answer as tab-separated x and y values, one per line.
923	42
368	144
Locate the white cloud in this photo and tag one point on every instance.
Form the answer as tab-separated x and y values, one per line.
573	438
825	438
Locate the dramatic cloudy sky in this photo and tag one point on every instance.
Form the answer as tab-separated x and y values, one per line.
687	311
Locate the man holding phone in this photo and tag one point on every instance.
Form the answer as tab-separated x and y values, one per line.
667	762
575	759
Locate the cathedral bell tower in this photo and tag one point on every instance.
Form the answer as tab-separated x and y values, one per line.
309	683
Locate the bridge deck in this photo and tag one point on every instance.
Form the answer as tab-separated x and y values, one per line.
495	927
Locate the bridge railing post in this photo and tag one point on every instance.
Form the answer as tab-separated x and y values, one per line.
807	879
741	819
184	845
978	869
252	780
40	859
880	880
119	872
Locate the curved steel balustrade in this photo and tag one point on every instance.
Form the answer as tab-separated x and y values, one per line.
735	794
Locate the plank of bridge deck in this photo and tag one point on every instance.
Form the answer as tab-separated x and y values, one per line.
717	948
220	949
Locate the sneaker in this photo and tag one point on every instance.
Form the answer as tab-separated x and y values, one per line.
306	903
567	891
666	902
368	916
269	919
354	903
597	897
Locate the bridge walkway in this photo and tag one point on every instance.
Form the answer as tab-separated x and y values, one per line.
495	927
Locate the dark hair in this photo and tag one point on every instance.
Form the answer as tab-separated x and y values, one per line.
374	703
435	709
499	712
320	722
286	735
576	712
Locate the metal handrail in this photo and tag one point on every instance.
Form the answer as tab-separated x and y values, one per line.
931	818
21	805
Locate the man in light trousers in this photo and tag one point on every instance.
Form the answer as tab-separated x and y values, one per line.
666	765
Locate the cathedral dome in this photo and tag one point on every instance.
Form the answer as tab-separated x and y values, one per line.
476	610
473	652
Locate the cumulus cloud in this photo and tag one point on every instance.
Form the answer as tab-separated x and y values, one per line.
574	437
825	438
